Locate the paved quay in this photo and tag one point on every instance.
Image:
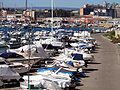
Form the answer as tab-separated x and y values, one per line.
104	74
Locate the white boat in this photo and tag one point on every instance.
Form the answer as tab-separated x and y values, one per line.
42	79
69	59
27	54
82	34
86	56
34	84
64	65
14	43
56	74
51	40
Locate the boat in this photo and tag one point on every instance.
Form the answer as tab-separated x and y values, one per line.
40	82
86	56
3	44
62	71
25	54
15	66
61	81
14	43
7	75
69	59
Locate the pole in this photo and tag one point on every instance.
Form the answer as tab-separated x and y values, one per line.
2	5
29	51
52	7
26	4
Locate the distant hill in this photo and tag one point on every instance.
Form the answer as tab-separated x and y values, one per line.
34	8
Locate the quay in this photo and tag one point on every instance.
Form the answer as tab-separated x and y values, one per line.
105	73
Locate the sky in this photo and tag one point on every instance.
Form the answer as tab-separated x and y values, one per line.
57	3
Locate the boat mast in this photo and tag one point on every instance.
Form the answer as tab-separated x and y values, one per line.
26	5
52	8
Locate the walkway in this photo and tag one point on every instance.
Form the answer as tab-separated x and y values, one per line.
105	74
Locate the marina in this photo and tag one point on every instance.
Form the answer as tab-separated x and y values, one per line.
65	56
94	71
59	48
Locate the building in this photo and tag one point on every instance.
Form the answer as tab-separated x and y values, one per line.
98	10
75	13
111	12
3	13
86	10
19	17
11	17
29	14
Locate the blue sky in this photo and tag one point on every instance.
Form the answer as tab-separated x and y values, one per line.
58	3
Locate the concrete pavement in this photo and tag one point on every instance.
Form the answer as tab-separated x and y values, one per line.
105	74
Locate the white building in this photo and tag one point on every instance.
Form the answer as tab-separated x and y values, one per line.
11	17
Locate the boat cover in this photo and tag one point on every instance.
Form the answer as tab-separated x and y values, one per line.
77	56
32	51
6	73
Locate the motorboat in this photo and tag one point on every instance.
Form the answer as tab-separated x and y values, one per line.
40	82
69	59
14	43
15	66
53	41
62	71
86	56
41	79
49	48
19	67
26	54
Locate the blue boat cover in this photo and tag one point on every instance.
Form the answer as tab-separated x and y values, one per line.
43	69
77	56
70	63
83	46
7	55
